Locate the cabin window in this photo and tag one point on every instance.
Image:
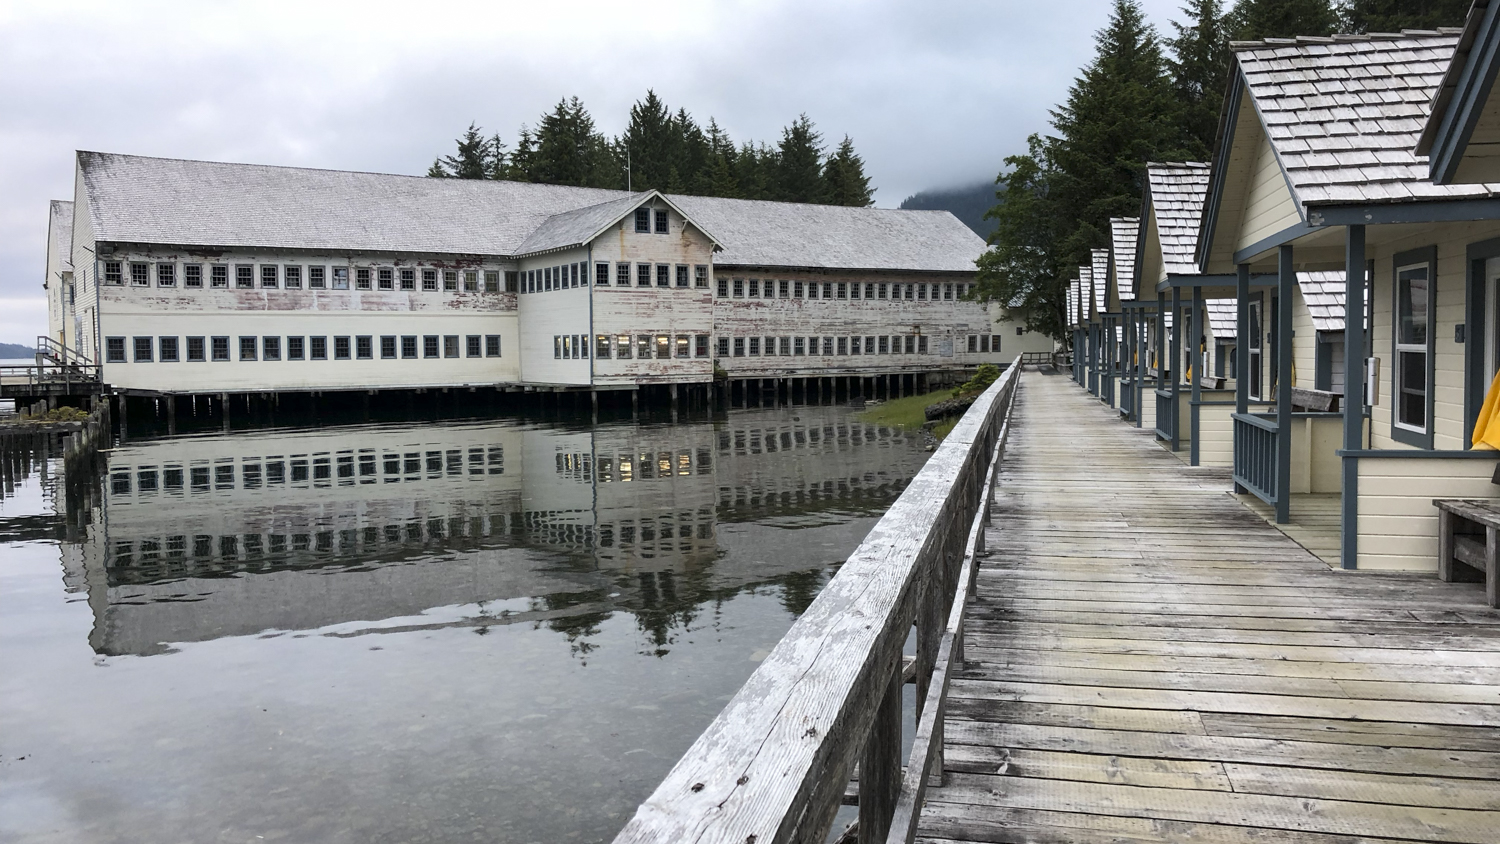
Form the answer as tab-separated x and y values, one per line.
643	220
293	277
296	348
601	346
623	347
723	351
362	278
643	346
247	348
739	288
700	345
317	278
450	345
114	350
166	275
340	278
1255	350
663	275
843	345
723	288
911	344
663	346
408	279
430	346
642	275
661	222
473	346
754	346
700	276
317	348
385	279
270	348
557	347
601	274
196	353
341	348
1411	390
853	290
270	275
140	275
682	275
471	281
684	346
512	281
739	347
429	280
219	346
492	281
754	288
112	273
922	345
450	280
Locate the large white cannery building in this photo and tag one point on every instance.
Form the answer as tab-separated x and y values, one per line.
187	277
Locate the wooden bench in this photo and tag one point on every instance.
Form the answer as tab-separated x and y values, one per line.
1315	401
1469	534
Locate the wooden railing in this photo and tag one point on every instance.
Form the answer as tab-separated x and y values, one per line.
774	765
49	350
1166	415
54	377
1255	455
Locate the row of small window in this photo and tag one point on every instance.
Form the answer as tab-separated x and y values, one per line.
568	276
643	217
895	344
170	350
344	466
292	277
754	288
627	346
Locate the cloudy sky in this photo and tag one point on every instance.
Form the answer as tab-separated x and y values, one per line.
933	93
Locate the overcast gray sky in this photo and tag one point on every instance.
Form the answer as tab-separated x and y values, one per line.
933	94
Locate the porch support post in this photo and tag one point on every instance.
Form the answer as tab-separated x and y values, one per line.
1137	360
1354	393
1241	349
1195	338
1160	349
1177	333
1286	283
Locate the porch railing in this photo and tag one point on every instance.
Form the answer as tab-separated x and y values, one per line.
1165	417
49	350
1127	399
1255	464
53	378
774	765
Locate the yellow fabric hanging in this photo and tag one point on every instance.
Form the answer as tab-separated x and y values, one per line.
1487	426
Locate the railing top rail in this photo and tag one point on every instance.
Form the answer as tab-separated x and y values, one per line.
1254	421
778	746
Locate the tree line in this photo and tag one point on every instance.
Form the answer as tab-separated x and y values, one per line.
1143	97
665	150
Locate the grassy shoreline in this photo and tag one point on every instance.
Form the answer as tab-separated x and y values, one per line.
907	413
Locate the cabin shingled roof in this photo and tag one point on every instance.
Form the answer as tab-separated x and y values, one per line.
1223	318
1448	87
140	199
1344	113
1178	191
1324	294
60	236
1123	232
1100	275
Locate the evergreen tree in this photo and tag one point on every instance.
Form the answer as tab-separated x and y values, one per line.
473	160
653	139
799	166
568	148
1056	200
1253	20
523	160
844	179
753	169
1396	15
692	155
1200	74
719	177
499	163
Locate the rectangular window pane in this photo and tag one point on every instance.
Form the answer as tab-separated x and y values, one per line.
450	279
623	347
429	280
450	346
196	349
362	278
700	276
247	348
270	348
622	274
430	346
1412	301
112	274
409	346
218	276
473	346
340	278
643	220
220	348
601	274
166	275
317	348
270	275
388	347
601	347
492	345
408	279
244	277
296	348
386	278
341	348
140	275
1411	403
142	349
700	345
682	275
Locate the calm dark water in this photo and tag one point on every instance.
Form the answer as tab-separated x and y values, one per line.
498	631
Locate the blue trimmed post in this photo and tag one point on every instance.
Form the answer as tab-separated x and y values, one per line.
1286	282
1354	393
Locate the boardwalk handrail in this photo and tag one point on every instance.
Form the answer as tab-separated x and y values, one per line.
772	767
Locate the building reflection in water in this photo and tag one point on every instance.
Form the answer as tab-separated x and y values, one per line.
195	538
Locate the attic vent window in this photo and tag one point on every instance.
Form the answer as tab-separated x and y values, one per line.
643	220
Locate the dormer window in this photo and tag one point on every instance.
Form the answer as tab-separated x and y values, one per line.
643	220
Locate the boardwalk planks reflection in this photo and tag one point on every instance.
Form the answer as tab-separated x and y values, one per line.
1149	661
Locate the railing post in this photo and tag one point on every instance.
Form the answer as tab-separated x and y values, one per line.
1177	333
1241	361
1354	392
1286	283
880	764
1195	337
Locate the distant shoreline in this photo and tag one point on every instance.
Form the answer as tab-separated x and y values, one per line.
16	351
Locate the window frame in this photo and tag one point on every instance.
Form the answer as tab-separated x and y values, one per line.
251	344
114	344
296	347
1403	432
218	343
201	349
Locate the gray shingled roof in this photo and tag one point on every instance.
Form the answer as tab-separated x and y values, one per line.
1448	87
579	226
785	234
136	199
1324	294
1344	113
1123	232
60	234
1100	275
1178	191
1222	318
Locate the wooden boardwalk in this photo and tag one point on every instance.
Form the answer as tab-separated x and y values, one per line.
1149	661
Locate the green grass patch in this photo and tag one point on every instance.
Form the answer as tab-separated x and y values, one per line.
907	412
